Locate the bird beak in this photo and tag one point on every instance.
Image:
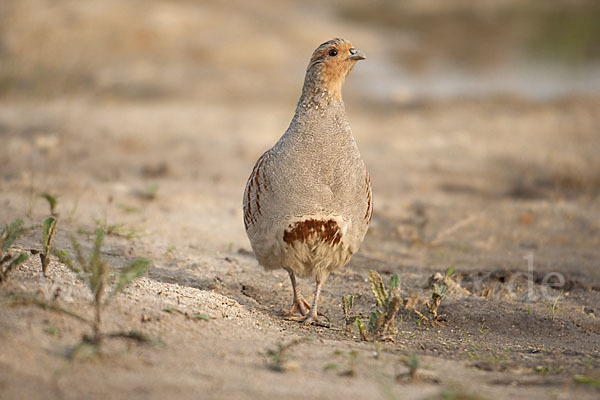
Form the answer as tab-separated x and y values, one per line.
356	55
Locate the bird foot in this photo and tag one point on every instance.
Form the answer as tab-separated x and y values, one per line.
300	306
311	319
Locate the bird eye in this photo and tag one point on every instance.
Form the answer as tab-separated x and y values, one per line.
333	52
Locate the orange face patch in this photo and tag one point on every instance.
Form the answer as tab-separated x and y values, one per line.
334	69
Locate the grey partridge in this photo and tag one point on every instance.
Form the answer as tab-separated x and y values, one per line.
307	203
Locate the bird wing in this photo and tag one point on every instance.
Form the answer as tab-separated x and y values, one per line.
369	211
254	187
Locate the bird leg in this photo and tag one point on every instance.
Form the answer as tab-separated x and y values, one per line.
300	305
313	313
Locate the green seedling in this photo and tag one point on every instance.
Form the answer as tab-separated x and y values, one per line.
278	357
382	321
585	380
149	192
10	233
94	271
171	250
438	294
482	328
129	209
352	357
172	310
542	370
413	364
361	329
414	373
52	202
552	308
48	233
330	366
51	331
347	304
121	230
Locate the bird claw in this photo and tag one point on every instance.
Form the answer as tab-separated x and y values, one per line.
300	306
311	319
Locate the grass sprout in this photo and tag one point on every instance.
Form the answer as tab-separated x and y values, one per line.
48	234
381	324
482	328
438	294
586	380
439	285
412	362
552	308
149	192
347	304
352	358
198	316
10	233
121	230
52	202
278	357
94	271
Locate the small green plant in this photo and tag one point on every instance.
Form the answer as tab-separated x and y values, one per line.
278	357
588	381
347	304
52	202
361	329
200	316
10	233
330	366
149	192
552	308
352	357
94	271
171	250
438	294
413	364
48	233
542	370
415	372
440	289
482	328
120	230
381	324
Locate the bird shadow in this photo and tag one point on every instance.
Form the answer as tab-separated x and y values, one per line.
263	292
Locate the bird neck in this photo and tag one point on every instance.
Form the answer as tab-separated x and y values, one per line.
319	118
321	89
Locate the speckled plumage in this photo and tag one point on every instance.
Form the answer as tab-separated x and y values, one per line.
307	203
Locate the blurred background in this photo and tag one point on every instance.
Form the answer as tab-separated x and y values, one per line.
148	50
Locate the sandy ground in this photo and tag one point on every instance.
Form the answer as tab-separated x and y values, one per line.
475	184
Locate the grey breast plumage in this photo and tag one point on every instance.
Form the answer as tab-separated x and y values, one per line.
310	190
